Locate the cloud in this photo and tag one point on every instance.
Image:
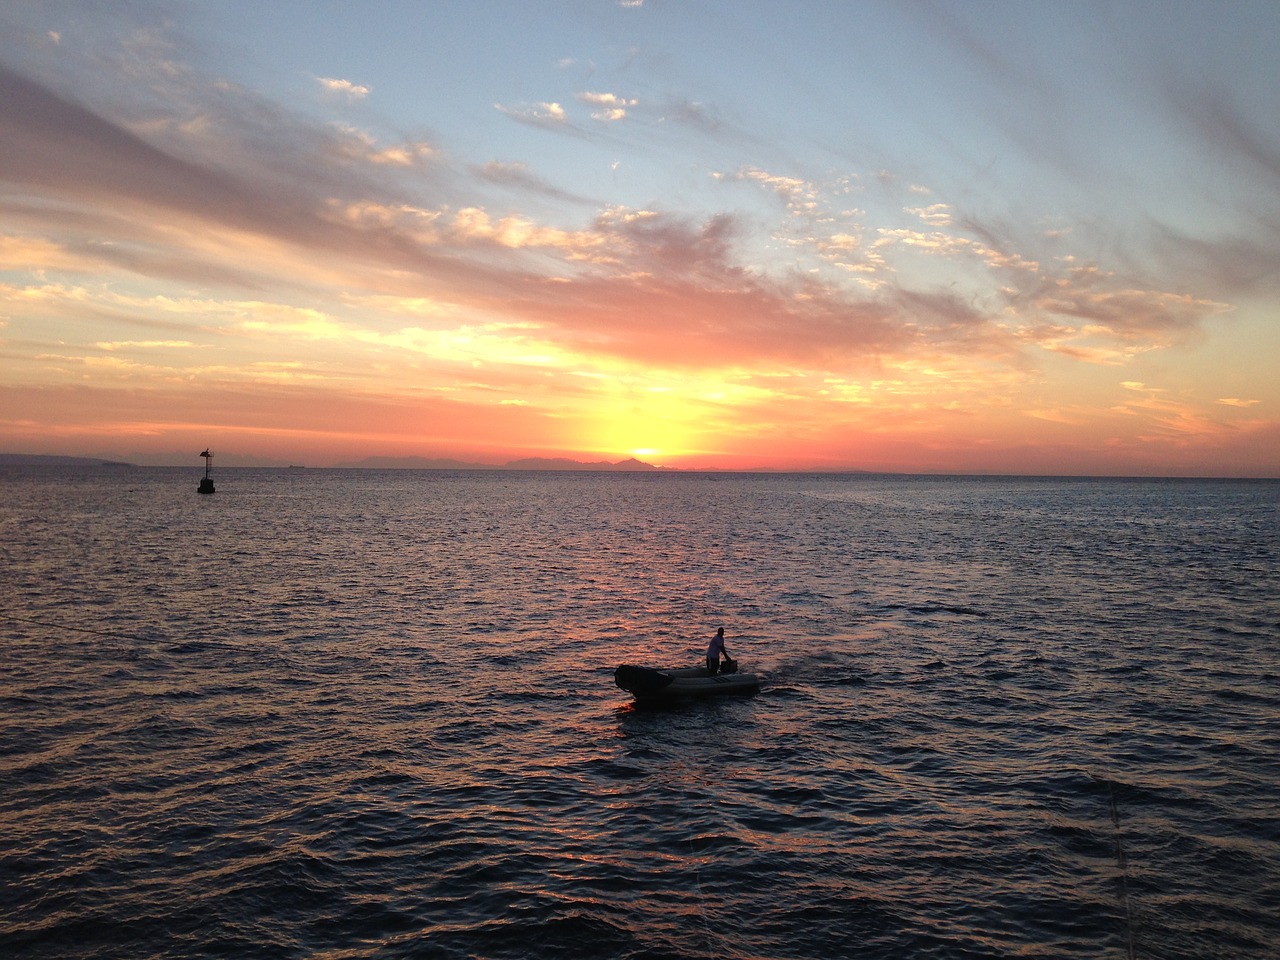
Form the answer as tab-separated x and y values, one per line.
670	288
472	225
280	197
1223	127
952	245
626	281
1168	418
670	293
348	89
359	145
935	215
114	345
308	235
799	195
1242	262
609	106
50	144
24	252
546	114
519	177
1128	315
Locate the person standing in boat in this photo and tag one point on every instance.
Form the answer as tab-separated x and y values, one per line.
715	650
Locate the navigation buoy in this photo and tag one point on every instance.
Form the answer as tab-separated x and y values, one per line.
206	485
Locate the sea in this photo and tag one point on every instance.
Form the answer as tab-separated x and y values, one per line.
356	713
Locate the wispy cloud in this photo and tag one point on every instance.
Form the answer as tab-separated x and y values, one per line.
545	114
352	91
634	282
609	107
520	178
361	145
935	215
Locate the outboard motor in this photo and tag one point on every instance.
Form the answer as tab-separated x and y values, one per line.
642	681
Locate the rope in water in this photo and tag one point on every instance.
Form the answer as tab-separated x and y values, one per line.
702	901
1123	860
108	634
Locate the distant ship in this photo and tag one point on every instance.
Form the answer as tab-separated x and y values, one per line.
206	485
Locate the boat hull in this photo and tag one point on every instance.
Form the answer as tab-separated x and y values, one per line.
648	685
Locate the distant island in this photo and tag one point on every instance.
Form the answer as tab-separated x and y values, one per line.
528	463
44	460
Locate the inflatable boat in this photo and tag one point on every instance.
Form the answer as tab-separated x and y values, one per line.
648	685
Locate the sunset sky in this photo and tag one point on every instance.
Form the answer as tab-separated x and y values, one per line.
967	237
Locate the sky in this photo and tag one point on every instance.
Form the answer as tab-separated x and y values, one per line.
957	237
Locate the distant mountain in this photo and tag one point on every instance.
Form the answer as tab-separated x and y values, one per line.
528	463
411	463
375	463
44	460
563	463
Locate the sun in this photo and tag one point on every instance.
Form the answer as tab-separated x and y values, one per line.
652	431
654	416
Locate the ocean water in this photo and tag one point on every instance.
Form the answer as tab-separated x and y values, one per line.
338	714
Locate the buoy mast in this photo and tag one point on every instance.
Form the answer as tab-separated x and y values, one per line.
206	485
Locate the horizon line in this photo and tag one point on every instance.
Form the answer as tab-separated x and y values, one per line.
572	465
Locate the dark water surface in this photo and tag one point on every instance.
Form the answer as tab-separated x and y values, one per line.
371	714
